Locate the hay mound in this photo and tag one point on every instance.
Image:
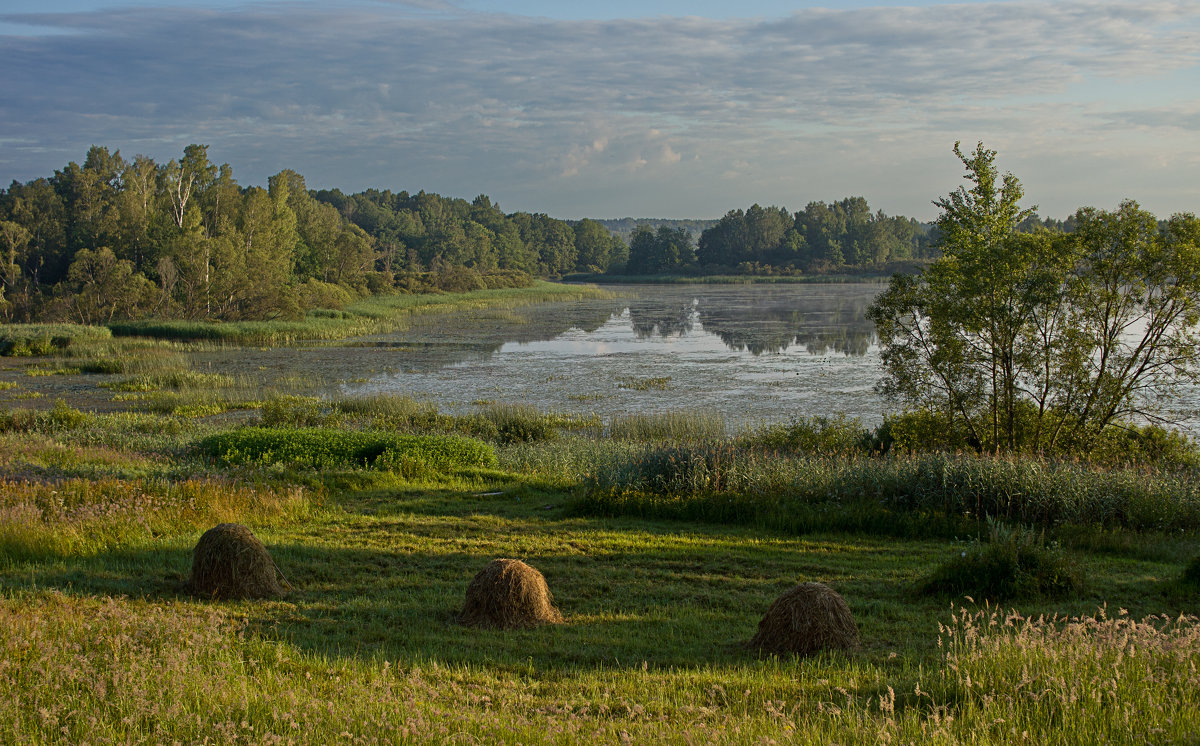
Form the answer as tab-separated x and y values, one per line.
230	562
806	619
509	593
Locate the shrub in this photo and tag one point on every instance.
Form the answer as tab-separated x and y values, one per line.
1016	562
1191	573
818	434
328	448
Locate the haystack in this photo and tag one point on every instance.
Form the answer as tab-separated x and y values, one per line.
230	562
509	593
808	618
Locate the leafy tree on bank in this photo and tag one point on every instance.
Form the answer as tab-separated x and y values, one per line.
821	238
663	251
1041	340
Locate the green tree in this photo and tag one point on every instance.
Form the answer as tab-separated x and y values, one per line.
1041	340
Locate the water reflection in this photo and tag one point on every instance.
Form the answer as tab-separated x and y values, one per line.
770	322
649	318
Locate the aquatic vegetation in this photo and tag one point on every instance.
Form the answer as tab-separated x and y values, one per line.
22	340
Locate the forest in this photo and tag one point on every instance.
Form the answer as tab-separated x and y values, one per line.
115	239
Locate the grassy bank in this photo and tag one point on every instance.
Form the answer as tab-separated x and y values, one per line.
373	315
607	279
101	642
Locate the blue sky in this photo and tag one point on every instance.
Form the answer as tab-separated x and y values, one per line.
672	109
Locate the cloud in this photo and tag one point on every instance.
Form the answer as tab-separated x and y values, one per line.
595	117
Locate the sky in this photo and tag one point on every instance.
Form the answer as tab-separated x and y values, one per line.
674	108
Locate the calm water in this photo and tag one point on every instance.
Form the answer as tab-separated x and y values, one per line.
751	353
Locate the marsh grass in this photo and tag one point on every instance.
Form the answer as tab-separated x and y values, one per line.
23	340
936	493
675	425
76	517
659	383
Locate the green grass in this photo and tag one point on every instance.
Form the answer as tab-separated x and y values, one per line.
371	315
928	494
328	448
678	425
99	642
22	340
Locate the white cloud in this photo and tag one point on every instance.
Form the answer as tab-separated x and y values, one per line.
581	117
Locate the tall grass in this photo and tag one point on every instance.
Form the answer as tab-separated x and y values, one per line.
676	425
18	340
76	670
920	494
79	516
330	449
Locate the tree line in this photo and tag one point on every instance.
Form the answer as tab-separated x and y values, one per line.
821	238
116	238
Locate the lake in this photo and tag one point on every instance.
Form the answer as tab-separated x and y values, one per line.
752	353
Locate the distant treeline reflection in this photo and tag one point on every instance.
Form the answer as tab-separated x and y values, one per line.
773	323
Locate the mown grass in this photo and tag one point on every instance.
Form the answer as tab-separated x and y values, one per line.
99	643
372	315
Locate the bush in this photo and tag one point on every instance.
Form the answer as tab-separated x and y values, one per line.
320	295
1191	573
1016	562
824	435
328	448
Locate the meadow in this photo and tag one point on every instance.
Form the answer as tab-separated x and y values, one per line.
664	538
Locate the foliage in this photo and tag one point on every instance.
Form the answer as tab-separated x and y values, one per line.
1041	341
1191	573
818	435
18	340
664	250
329	448
1122	444
821	238
116	240
928	494
1015	562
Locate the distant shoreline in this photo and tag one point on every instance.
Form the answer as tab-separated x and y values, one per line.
606	279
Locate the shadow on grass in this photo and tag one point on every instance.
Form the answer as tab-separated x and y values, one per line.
387	577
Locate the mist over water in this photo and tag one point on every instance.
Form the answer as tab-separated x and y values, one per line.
752	353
